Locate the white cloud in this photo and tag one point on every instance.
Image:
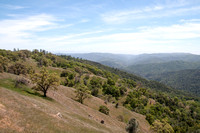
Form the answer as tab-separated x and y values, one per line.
176	8
21	31
22	26
174	38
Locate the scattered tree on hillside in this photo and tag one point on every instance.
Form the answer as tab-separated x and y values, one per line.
132	126
44	80
104	109
82	92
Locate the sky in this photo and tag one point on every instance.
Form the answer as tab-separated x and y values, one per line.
110	26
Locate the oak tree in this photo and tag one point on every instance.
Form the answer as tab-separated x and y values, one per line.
45	80
82	92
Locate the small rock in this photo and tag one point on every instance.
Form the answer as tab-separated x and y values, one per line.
59	114
102	121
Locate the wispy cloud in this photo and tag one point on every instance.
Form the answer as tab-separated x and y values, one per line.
84	20
148	39
24	26
23	31
157	11
12	7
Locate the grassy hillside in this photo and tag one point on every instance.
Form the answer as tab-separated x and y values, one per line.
124	95
23	111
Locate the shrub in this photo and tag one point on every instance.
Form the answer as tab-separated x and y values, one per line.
18	69
150	118
21	81
132	126
104	109
64	74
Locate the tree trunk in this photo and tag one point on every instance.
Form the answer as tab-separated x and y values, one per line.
45	93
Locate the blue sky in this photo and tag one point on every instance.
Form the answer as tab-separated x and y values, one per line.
112	26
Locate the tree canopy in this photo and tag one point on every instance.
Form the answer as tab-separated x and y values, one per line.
45	80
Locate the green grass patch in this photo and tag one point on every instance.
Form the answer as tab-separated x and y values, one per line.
22	89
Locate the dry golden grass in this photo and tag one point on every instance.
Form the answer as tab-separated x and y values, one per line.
20	112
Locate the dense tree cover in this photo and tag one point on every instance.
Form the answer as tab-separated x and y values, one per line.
170	69
164	112
188	80
150	98
150	70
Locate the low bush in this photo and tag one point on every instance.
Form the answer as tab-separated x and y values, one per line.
104	109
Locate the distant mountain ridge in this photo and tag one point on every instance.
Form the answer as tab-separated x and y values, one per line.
128	59
162	67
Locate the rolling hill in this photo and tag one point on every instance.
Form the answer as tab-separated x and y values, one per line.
24	112
24	107
188	80
154	67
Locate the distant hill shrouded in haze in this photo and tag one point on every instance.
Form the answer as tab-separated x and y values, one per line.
154	66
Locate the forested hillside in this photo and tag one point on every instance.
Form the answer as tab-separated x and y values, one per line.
155	67
150	70
188	80
165	109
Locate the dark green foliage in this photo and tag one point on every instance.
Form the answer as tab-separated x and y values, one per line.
104	109
69	78
111	90
95	85
64	74
188	80
110	82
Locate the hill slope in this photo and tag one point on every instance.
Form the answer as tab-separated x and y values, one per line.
151	70
188	80
153	66
175	110
28	113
